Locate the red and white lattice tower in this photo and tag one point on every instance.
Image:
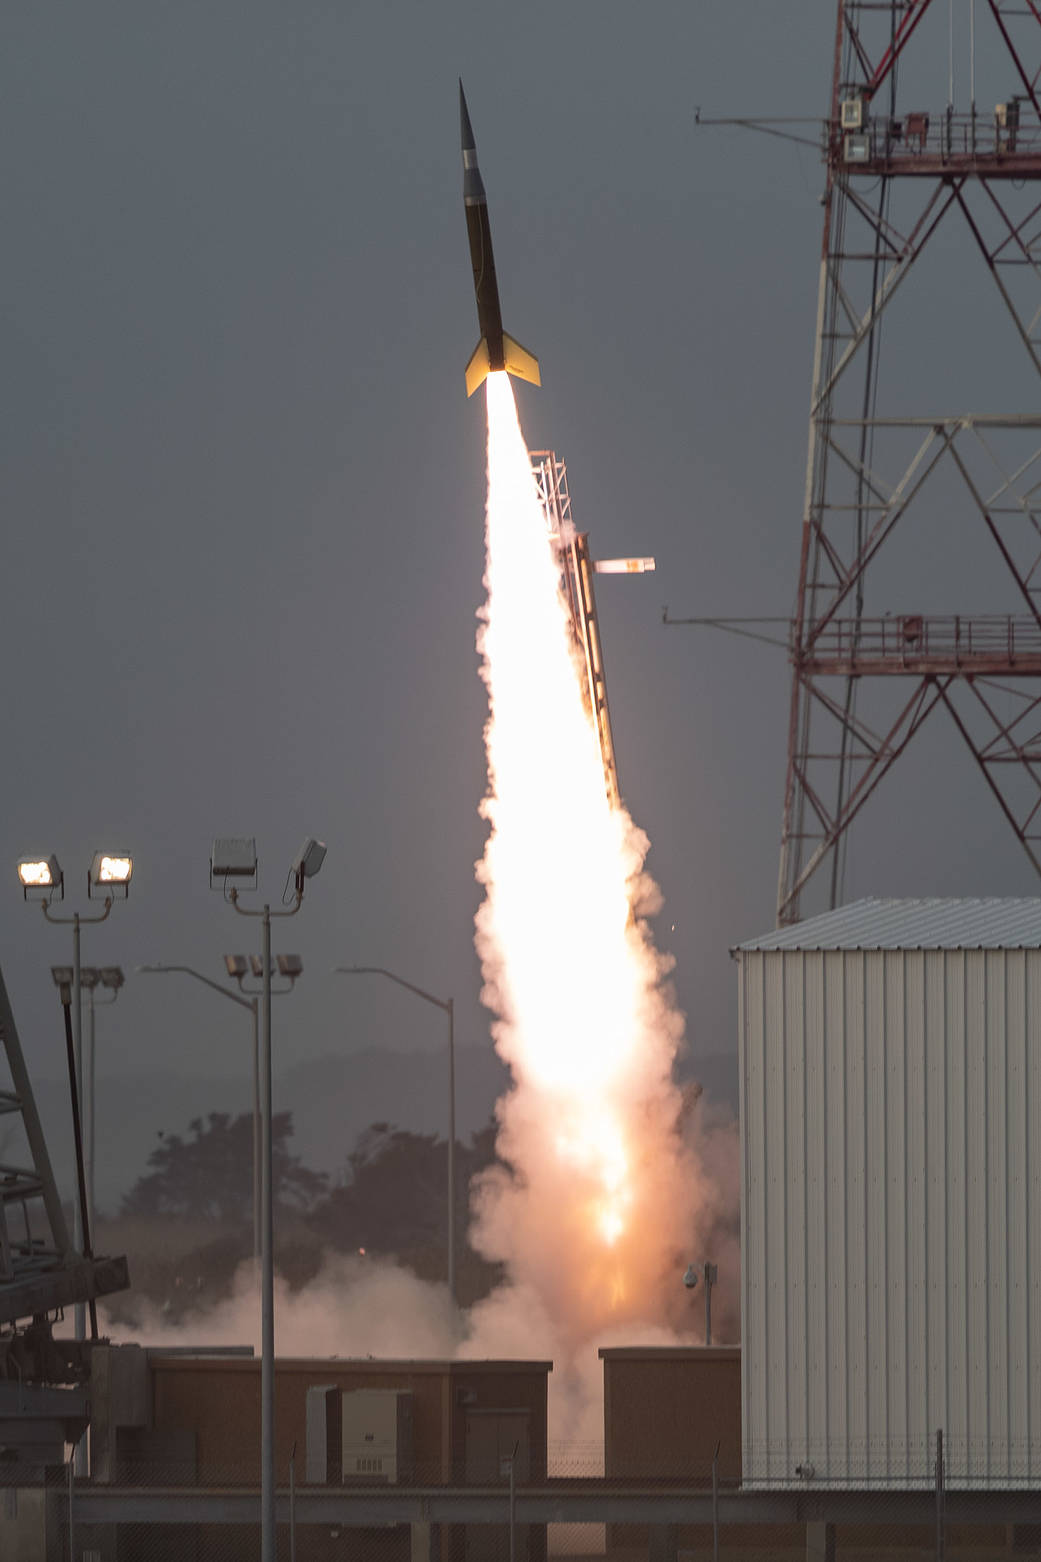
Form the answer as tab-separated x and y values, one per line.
922	179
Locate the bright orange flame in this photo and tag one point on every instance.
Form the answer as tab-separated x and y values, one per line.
571	975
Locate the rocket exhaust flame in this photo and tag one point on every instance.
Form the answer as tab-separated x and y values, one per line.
602	1198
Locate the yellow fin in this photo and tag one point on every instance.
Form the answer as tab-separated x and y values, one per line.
479	367
519	362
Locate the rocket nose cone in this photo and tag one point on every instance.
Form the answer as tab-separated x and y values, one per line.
465	128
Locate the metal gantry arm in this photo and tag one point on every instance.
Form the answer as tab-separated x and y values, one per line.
571	548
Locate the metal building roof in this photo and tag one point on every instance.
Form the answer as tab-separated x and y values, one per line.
978	923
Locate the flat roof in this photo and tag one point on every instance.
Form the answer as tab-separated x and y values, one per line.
984	922
373	1365
669	1352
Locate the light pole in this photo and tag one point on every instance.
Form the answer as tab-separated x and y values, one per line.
448	1005
231	859
41	877
111	978
233	962
237	966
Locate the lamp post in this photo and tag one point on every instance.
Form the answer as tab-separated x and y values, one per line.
41	878
252	1004
448	1005
111	978
237	966
236	859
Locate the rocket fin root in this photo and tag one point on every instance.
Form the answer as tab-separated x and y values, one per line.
519	362
479	367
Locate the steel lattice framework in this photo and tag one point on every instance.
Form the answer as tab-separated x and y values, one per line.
576	575
39	1274
903	181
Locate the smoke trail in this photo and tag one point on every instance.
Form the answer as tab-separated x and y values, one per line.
603	1195
617	1181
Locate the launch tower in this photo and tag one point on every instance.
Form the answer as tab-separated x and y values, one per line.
577	569
930	452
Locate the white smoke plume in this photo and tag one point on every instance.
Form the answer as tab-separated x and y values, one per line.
615	1179
601	1199
353	1307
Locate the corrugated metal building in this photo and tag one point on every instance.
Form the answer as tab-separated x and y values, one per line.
890	1072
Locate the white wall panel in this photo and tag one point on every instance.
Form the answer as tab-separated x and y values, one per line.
834	1234
1018	1321
895	1226
891	1200
1030	1363
816	1264
916	1383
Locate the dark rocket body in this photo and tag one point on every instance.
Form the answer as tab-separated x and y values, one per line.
495	350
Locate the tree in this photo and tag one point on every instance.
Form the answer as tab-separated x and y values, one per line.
210	1174
393	1196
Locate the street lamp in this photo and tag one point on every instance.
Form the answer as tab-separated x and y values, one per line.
41	879
236	966
111	979
448	1005
234	861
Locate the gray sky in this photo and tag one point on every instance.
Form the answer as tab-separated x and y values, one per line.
243	487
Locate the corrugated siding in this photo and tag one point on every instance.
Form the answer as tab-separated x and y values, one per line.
891	1195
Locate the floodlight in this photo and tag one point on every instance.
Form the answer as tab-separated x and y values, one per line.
110	872
289	965
111	977
236	965
40	873
90	976
307	861
62	975
256	965
233	857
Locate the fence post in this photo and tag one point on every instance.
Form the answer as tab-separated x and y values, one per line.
292	1505
715	1505
513	1505
72	1466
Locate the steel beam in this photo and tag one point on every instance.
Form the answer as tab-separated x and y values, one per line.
562	1502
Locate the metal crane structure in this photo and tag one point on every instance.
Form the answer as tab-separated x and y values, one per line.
577	569
917	191
40	1274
